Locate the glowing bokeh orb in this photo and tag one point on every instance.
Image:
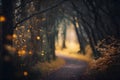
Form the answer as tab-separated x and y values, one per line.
25	73
30	52
21	52
2	19
14	36
38	37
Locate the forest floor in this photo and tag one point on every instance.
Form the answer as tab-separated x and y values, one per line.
70	71
69	65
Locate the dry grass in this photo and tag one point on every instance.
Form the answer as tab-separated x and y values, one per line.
46	67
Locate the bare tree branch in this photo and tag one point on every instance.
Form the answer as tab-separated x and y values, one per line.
39	12
23	5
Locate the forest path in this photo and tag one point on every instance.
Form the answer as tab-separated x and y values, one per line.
70	71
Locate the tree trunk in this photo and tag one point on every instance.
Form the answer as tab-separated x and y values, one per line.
80	39
64	35
7	30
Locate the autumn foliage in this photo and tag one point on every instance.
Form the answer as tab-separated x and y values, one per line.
109	49
107	65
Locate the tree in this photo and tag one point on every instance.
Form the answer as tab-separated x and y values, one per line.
7	31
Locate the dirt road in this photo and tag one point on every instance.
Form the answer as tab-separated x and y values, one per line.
72	70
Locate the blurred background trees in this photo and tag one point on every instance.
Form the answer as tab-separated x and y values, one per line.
31	28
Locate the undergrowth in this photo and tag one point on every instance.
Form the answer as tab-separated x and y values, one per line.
107	66
47	67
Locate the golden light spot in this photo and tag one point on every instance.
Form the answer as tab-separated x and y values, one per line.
21	52
28	30
2	19
30	52
42	54
25	73
14	36
10	48
20	35
38	37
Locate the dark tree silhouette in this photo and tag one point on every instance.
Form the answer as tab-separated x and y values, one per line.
93	20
